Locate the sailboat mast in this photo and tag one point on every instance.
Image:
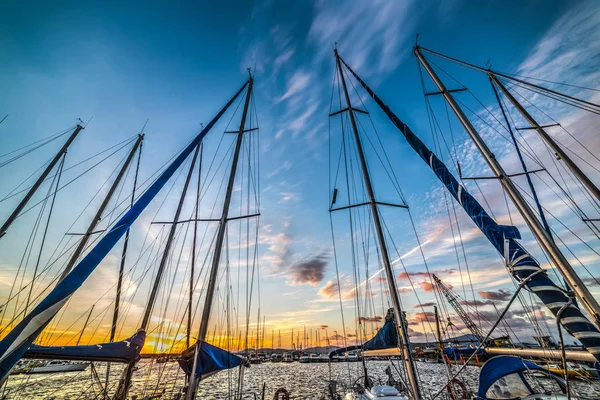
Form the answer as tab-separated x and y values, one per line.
210	291
125	382
39	182
90	230
548	139
583	294
193	265
85	325
223	223
115	319
400	322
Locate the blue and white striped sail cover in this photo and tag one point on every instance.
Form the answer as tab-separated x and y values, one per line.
124	351
16	343
504	238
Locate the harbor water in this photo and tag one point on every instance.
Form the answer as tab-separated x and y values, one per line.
303	381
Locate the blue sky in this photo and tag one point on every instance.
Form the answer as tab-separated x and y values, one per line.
176	64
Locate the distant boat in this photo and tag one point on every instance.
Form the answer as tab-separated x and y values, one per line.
254	359
305	358
54	366
276	357
377	392
288	358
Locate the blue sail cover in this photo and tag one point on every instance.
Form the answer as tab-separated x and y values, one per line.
125	351
385	338
497	368
211	359
504	239
16	343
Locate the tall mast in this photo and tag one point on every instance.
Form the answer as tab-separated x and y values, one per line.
39	182
125	382
115	319
438	331
400	322
222	230
91	228
583	294
548	139
85	325
193	265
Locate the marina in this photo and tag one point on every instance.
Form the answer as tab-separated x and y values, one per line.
450	251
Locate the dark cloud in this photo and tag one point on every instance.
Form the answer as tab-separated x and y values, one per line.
324	326
376	318
477	303
428	304
422	316
309	272
498	295
406	275
591	281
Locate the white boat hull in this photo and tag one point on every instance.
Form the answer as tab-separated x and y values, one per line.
50	369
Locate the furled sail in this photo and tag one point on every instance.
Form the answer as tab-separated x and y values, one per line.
211	359
16	343
124	351
504	238
385	338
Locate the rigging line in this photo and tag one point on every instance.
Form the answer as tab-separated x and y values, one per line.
554	82
557	98
12	193
28	151
408	275
352	236
24	258
438	132
67	184
394	180
561	126
51	137
530	155
435	134
37	264
570	230
529	181
49	263
24	262
44	165
472	66
337	272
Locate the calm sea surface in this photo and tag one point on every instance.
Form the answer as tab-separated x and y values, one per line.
165	381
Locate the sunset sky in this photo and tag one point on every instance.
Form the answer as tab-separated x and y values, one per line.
118	64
